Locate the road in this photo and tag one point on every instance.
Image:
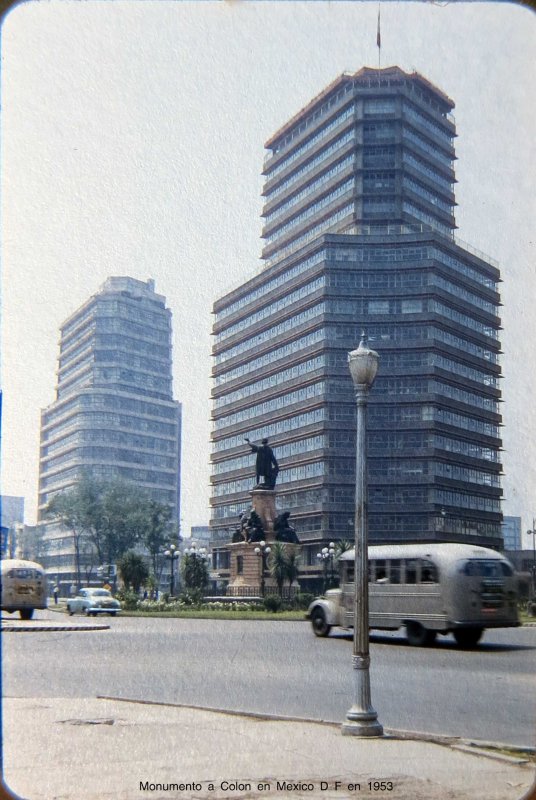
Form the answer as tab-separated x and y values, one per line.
280	667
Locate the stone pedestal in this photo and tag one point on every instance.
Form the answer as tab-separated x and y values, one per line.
245	564
263	502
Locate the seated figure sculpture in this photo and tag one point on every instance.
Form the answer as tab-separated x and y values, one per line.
284	532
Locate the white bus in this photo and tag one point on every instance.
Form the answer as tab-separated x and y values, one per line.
428	589
23	587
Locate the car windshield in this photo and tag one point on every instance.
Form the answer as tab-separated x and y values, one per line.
100	592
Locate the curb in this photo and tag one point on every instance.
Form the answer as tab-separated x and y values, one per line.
472	746
42	627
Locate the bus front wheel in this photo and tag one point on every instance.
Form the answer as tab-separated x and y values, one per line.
418	635
320	624
26	613
468	637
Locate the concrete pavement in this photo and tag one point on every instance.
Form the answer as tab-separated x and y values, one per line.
107	748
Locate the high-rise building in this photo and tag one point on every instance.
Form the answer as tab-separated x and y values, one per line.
359	234
114	416
511	531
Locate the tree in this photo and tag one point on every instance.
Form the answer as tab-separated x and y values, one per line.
278	565
194	571
133	570
341	546
70	510
157	530
292	570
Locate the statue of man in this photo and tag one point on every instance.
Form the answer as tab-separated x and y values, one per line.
266	466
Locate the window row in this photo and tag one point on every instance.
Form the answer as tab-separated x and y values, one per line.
322	227
310	188
118	325
297	396
425	169
111	454
310	143
409	183
313	117
428	219
411	112
282	451
271	333
319	159
276	379
269	286
428	147
462	319
311	211
272	429
273	308
465	269
271	357
291	475
131	360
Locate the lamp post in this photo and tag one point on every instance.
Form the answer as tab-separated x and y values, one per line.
325	557
361	718
199	555
173	556
533	534
262	551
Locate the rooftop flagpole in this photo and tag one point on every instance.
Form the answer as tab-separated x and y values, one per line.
379	44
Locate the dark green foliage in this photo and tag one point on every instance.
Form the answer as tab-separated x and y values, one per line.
273	603
110	518
194	571
133	570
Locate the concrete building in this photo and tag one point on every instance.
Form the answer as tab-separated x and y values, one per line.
359	234
511	532
12	518
114	416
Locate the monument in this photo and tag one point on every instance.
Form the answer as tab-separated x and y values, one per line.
262	523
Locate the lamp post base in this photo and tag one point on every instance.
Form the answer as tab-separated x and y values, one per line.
361	723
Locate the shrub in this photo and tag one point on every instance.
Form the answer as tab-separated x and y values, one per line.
302	600
273	603
129	599
191	597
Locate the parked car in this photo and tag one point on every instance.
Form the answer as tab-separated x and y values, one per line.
92	602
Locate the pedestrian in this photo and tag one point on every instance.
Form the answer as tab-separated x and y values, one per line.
56	592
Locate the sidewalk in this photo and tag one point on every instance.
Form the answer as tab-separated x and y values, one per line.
109	749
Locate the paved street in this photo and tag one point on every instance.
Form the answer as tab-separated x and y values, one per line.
280	667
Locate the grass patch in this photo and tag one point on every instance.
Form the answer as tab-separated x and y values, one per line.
206	613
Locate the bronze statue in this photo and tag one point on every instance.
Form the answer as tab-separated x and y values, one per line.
266	466
250	528
283	531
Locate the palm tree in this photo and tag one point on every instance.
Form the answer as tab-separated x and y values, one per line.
293	560
278	565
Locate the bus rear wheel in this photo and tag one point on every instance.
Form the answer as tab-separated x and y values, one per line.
468	637
319	622
418	635
26	613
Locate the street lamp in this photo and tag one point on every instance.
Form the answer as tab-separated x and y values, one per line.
173	556
533	534
262	551
326	556
361	718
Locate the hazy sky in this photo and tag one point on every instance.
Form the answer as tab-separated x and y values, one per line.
132	144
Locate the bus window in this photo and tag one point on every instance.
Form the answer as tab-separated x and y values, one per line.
428	571
395	571
411	570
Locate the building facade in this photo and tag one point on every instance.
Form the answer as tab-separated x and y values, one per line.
511	531
114	416
359	235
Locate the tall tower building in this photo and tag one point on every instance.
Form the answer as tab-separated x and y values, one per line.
114	416
359	234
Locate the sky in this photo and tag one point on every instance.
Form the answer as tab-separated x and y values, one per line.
132	143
